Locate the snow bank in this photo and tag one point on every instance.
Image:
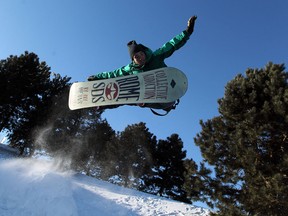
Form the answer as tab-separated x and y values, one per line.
33	187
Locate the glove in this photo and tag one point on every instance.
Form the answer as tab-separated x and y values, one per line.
91	78
190	25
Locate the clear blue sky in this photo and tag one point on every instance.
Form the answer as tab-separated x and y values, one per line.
83	37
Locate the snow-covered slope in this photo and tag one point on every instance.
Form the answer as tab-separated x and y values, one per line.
39	188
7	152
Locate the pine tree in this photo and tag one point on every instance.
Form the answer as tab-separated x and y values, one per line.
168	178
103	148
22	80
248	145
135	153
27	97
197	181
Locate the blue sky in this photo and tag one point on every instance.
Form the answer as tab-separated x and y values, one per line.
83	37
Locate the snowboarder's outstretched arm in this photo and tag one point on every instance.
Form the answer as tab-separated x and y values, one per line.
177	42
154	59
123	71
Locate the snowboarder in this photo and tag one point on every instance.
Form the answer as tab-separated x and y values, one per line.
144	59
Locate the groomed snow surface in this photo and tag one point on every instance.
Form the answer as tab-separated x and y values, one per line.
37	187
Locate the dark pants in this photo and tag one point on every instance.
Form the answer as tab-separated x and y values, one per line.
148	105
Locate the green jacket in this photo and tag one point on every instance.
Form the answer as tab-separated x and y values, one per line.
154	59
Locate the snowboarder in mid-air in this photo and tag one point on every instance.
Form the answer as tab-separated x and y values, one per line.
144	59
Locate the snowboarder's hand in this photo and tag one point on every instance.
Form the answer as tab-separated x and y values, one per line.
190	25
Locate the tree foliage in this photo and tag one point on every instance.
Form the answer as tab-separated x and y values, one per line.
22	79
136	149
197	181
167	176
248	145
28	93
68	134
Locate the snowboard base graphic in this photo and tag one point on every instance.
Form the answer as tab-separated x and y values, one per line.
162	85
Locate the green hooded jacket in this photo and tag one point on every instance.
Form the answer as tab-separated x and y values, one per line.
154	60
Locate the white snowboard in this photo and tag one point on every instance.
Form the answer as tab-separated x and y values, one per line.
162	85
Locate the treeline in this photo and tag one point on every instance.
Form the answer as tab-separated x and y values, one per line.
246	146
132	158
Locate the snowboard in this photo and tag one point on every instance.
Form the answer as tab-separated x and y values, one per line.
162	85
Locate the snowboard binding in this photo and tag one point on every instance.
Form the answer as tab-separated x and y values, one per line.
167	107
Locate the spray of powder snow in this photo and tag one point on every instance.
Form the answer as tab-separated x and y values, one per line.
61	160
